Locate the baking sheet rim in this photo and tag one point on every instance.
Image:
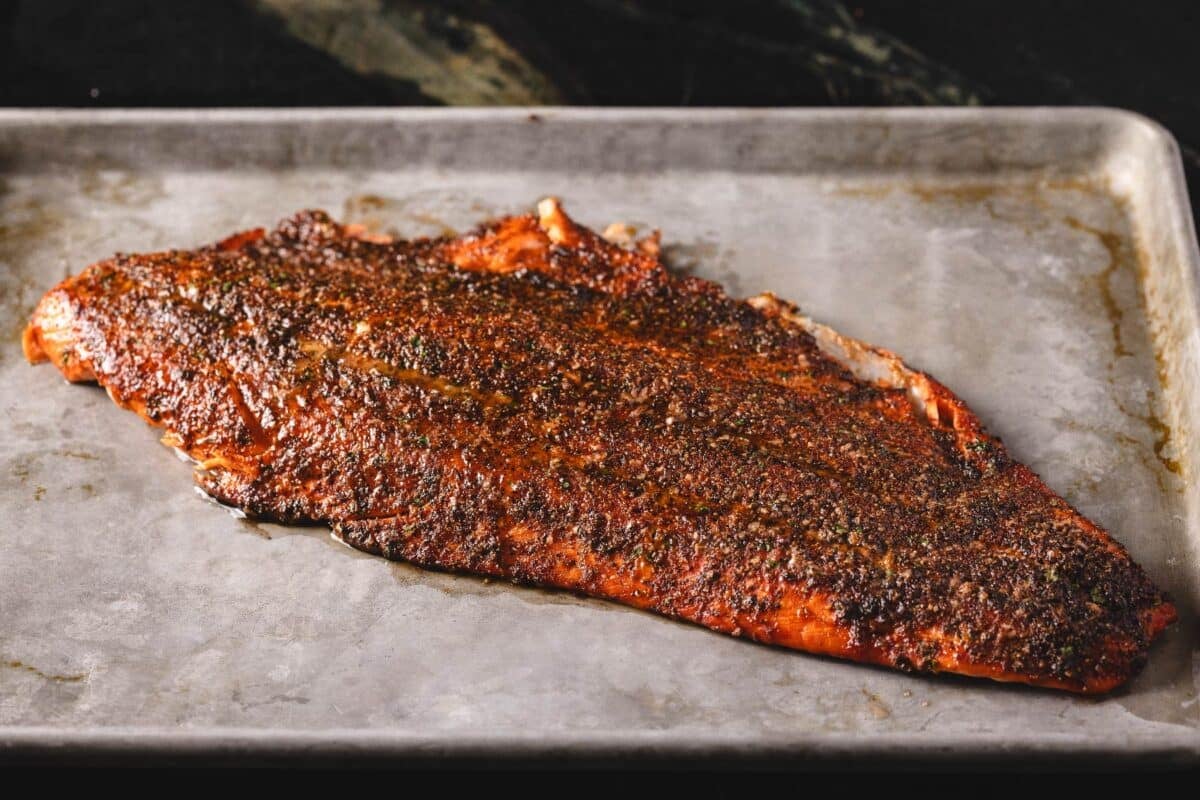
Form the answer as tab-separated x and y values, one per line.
17	742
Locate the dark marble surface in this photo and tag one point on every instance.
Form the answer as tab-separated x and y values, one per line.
607	52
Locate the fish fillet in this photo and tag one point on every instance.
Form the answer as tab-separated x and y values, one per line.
538	403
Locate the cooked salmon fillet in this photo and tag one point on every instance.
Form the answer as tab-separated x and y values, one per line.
535	402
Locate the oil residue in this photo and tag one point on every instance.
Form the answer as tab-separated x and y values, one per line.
983	195
1162	431
121	187
244	519
452	585
878	708
1136	446
366	209
80	454
364	202
1104	281
1115	247
50	676
254	527
433	221
362	208
959	192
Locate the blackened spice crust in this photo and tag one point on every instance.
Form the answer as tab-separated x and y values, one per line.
535	403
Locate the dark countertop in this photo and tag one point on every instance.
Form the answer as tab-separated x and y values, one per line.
607	52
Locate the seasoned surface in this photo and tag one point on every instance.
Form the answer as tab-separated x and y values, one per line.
535	403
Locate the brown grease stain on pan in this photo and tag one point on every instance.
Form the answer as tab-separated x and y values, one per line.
1134	445
1118	255
50	676
372	209
1116	250
362	209
121	187
254	527
970	192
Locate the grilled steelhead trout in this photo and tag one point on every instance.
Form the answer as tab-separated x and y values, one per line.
535	402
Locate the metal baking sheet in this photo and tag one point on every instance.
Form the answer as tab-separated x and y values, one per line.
1041	262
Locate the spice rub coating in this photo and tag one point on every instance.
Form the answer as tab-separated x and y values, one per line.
534	402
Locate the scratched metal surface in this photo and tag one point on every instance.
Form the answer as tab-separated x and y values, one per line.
1039	262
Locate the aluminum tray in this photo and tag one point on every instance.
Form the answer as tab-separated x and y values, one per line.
1041	262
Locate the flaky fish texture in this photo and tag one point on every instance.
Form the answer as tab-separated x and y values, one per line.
535	402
